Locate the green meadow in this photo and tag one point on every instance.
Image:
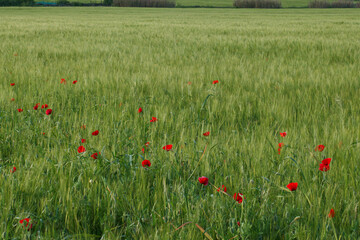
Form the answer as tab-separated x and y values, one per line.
288	70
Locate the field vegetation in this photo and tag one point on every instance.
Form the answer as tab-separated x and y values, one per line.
79	170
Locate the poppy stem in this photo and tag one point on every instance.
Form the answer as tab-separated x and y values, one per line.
332	223
198	163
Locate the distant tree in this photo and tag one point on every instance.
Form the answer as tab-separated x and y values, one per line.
17	2
108	2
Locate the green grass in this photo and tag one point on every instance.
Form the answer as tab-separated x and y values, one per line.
204	3
278	70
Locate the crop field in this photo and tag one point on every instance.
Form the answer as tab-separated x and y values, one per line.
218	167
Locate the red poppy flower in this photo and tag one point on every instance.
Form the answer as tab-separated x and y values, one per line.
139	110
326	161
281	145
204	180
189	83
12	84
74	82
25	219
153	119
81	149
13	99
215	82
45	106
292	186
63	81
206	134
147	144
168	147
43	133
279	150
27	223
238	197
283	134
83	140
20	110
223	188
146	163
331	213
13	170
95	133
143	150
320	148
94	156
323	167
238	223
48	112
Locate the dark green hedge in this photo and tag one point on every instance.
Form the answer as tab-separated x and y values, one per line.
17	2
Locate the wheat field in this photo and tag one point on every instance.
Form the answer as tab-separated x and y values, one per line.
293	71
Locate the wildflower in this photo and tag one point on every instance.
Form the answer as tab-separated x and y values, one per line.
81	149
215	82
48	112
320	148
223	188
168	147
292	186
83	140
204	180
12	84
146	163
331	213
20	110
283	134
139	110
94	156
63	81
13	99
13	170
95	133
325	165
326	161
206	134
238	197
280	146
27	223
153	119
74	82
45	106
